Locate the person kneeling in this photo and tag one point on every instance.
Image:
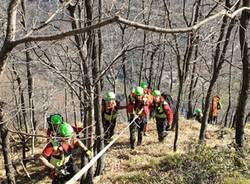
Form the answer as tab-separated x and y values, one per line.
57	154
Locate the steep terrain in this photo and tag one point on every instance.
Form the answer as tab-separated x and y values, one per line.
152	162
124	165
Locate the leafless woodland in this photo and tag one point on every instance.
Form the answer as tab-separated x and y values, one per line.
63	55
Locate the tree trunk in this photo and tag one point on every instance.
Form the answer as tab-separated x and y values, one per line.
10	32
245	55
144	44
191	87
219	58
161	71
30	111
229	94
90	58
99	129
184	68
176	115
151	68
98	115
6	148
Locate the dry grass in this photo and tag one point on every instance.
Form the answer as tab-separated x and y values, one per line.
37	172
122	162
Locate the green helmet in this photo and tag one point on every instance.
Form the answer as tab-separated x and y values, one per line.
110	96
138	91
56	119
197	110
156	93
65	130
144	85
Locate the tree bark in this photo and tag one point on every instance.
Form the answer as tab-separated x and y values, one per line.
10	32
183	68
218	61
90	59
5	137
191	87
245	55
98	115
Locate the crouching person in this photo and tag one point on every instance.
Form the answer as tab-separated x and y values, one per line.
163	114
57	154
198	114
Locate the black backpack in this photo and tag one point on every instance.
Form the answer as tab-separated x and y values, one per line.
168	98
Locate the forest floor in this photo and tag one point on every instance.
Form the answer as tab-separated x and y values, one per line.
124	165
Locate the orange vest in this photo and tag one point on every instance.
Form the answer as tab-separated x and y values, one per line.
213	112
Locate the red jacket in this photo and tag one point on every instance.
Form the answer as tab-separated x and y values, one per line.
135	105
166	109
49	150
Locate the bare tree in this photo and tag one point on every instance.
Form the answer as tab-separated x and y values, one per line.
98	117
245	55
218	61
183	64
5	137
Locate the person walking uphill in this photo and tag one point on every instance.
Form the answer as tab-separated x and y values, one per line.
137	105
163	115
149	97
110	106
215	106
57	154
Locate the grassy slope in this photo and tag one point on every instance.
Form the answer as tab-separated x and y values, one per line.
145	163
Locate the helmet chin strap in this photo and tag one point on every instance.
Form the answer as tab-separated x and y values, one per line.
55	129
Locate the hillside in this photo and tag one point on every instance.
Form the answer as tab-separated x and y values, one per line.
146	163
154	162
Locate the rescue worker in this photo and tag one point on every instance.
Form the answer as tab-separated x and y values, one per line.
110	108
148	96
137	105
54	121
198	114
163	115
215	106
145	87
57	154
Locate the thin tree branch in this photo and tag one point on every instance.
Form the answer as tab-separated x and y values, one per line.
66	3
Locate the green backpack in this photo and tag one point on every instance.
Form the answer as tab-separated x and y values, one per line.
219	105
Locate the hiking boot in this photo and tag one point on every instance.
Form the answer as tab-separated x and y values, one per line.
139	143
165	133
161	139
132	147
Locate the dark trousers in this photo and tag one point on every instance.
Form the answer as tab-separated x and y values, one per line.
138	126
161	124
198	118
109	127
212	120
71	169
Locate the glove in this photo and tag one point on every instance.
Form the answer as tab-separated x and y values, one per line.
63	172
88	153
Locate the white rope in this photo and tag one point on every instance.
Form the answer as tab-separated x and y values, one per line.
78	175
